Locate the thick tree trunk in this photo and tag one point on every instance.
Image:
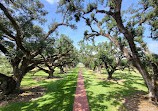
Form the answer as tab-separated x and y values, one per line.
150	83
18	79
109	76
18	76
8	84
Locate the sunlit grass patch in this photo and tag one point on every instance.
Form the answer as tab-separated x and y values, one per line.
104	95
58	97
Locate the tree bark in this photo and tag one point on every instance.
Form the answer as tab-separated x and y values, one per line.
51	74
18	76
136	60
152	87
8	84
61	70
94	68
109	75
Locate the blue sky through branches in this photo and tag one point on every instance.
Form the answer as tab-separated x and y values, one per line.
77	35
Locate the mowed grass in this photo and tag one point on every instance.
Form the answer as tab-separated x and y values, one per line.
109	95
102	95
59	96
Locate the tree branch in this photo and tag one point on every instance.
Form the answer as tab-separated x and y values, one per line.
64	16
53	29
40	68
16	27
3	49
11	37
103	11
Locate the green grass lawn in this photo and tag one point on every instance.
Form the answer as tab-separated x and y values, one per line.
102	95
58	97
108	95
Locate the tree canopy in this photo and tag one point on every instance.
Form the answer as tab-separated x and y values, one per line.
117	26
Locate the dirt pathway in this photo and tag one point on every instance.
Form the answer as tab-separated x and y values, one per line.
80	102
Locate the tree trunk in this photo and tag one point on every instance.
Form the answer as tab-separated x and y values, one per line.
99	69
18	79
110	74
8	84
51	72
135	59
18	76
66	68
61	70
94	68
150	83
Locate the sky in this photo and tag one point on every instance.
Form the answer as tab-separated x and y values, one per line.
78	34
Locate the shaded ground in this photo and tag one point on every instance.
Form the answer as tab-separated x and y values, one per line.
46	78
59	96
27	94
125	92
117	80
135	102
138	102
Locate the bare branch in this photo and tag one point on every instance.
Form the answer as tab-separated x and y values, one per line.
54	28
10	38
40	68
80	10
103	11
64	16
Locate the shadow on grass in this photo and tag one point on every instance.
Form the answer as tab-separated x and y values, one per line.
59	97
115	92
94	101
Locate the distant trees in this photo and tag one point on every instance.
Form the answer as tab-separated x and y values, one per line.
111	57
102	55
110	23
87	55
58	53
